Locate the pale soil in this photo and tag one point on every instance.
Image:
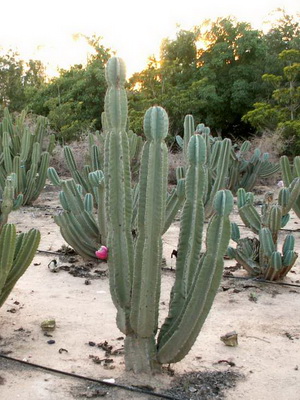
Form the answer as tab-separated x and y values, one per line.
268	329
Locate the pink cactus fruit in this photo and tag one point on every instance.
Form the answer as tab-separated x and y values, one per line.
102	253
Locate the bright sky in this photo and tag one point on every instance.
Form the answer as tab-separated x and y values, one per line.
133	28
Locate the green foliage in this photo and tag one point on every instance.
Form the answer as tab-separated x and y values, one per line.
19	80
282	110
73	101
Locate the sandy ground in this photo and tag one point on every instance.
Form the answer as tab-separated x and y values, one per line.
265	317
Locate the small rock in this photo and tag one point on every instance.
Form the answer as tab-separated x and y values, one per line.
230	339
48	325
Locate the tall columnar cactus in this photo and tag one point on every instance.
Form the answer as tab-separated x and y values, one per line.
217	159
260	257
135	257
22	153
289	174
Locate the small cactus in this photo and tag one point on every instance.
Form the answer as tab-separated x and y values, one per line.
260	257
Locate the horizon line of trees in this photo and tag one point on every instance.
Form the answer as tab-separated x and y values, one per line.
235	79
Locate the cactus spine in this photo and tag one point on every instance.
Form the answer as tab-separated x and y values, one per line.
135	259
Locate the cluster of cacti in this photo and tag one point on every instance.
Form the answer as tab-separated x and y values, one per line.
22	153
235	170
82	228
95	159
244	173
217	159
260	257
289	173
135	257
16	251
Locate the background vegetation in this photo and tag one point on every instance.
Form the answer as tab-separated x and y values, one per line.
233	78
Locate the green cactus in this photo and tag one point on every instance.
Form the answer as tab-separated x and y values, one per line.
78	223
244	173
16	254
260	257
289	174
16	251
22	153
8	199
135	257
217	159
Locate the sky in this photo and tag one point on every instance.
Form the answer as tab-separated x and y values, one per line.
47	30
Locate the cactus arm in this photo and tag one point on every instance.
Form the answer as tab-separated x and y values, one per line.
250	217
177	342
221	174
189	129
118	189
274	221
150	222
41	178
96	179
191	226
71	163
22	259
73	234
53	176
174	203
286	170
7	247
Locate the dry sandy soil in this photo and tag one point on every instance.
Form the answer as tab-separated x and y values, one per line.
264	365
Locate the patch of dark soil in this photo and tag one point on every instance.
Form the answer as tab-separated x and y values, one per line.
88	270
71	262
204	385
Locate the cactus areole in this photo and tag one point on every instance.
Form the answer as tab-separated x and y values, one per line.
135	259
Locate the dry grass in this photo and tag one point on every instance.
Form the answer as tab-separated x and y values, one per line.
175	160
80	152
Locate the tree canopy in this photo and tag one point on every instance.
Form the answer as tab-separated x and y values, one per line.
231	77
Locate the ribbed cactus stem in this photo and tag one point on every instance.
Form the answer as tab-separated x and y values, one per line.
176	339
16	254
118	192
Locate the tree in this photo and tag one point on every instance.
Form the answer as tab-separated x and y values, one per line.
282	109
11	81
73	101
